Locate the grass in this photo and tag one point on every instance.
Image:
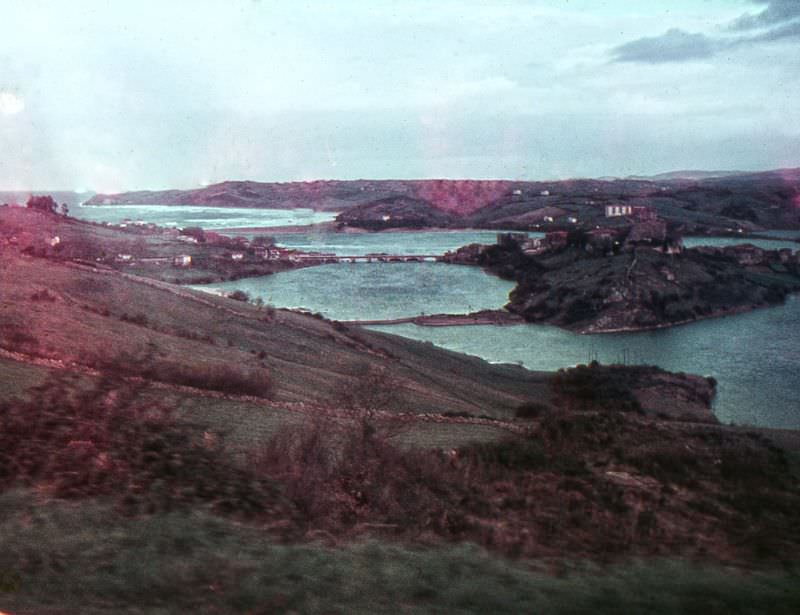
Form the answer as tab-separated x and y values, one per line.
308	360
84	558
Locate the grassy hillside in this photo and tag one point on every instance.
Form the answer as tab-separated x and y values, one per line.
88	317
700	204
180	563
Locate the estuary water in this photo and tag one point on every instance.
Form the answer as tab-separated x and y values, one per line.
755	357
213	218
378	291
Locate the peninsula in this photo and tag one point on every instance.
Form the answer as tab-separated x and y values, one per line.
608	281
691	203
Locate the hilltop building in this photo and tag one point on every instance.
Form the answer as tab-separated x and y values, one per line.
613	211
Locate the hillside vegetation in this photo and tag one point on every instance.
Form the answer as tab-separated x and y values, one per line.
590	292
693	203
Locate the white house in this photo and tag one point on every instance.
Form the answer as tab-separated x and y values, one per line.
182	260
613	211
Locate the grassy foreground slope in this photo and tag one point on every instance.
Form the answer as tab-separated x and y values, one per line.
62	558
96	318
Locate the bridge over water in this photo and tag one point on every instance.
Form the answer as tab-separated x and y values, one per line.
368	258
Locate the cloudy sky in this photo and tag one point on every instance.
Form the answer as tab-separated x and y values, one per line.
116	95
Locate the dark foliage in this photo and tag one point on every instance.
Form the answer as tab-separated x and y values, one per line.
42	203
239	295
76	441
224	378
599	387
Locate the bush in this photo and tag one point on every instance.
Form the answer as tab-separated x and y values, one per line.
515	454
42	203
338	476
531	410
600	387
106	441
16	338
215	377
239	295
43	295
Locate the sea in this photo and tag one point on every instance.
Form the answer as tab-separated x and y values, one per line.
755	356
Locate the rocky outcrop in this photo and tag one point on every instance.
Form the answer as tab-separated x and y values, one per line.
641	289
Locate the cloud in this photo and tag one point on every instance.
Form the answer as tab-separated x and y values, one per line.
776	12
674	45
780	20
787	31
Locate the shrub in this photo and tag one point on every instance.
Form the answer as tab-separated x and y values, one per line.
106	440
338	476
531	410
42	203
43	295
600	387
517	454
215	377
239	295
16	338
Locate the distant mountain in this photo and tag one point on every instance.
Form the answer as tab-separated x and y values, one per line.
690	201
693	175
457	196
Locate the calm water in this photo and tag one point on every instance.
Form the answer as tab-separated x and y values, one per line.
378	290
207	217
413	242
755	357
767	244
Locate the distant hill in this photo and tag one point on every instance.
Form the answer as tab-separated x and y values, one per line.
690	201
695	175
458	196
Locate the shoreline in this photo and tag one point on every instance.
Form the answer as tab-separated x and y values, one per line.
485	317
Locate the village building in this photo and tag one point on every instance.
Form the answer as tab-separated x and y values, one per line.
534	245
182	260
613	211
237	256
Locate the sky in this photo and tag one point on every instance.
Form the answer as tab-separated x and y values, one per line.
115	95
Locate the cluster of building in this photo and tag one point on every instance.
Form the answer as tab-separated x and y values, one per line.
645	229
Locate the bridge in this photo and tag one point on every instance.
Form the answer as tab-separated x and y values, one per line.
367	258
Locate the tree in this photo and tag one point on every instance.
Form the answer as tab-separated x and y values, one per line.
42	203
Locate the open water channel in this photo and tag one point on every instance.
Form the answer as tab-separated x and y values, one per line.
755	357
